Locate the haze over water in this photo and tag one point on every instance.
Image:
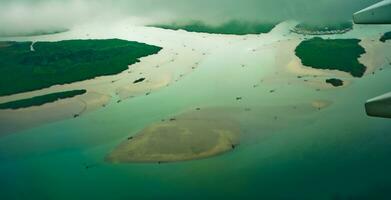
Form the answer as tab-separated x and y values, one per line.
22	15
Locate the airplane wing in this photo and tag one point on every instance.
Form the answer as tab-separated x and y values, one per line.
379	13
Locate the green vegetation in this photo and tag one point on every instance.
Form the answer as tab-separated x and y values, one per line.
339	54
139	80
40	100
34	33
52	63
335	82
234	27
385	37
323	29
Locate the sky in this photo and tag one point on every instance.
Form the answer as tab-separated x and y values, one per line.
30	15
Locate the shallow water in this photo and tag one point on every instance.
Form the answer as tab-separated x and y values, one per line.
288	150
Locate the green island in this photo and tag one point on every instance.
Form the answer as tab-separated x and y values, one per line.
233	27
333	54
335	82
41	100
34	33
385	37
52	63
323	29
139	80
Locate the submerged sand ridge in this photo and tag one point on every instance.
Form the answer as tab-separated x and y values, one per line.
187	137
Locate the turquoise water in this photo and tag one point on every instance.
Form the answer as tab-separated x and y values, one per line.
285	152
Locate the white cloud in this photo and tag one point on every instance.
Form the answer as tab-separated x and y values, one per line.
27	15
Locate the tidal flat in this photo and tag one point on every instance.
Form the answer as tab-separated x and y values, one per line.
293	125
192	135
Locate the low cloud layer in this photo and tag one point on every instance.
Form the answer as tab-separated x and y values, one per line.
29	15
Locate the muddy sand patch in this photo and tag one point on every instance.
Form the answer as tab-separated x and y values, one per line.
187	137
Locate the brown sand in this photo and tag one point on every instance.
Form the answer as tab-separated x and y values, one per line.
186	137
321	104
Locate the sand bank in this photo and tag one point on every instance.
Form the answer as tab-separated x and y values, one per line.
20	119
188	136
